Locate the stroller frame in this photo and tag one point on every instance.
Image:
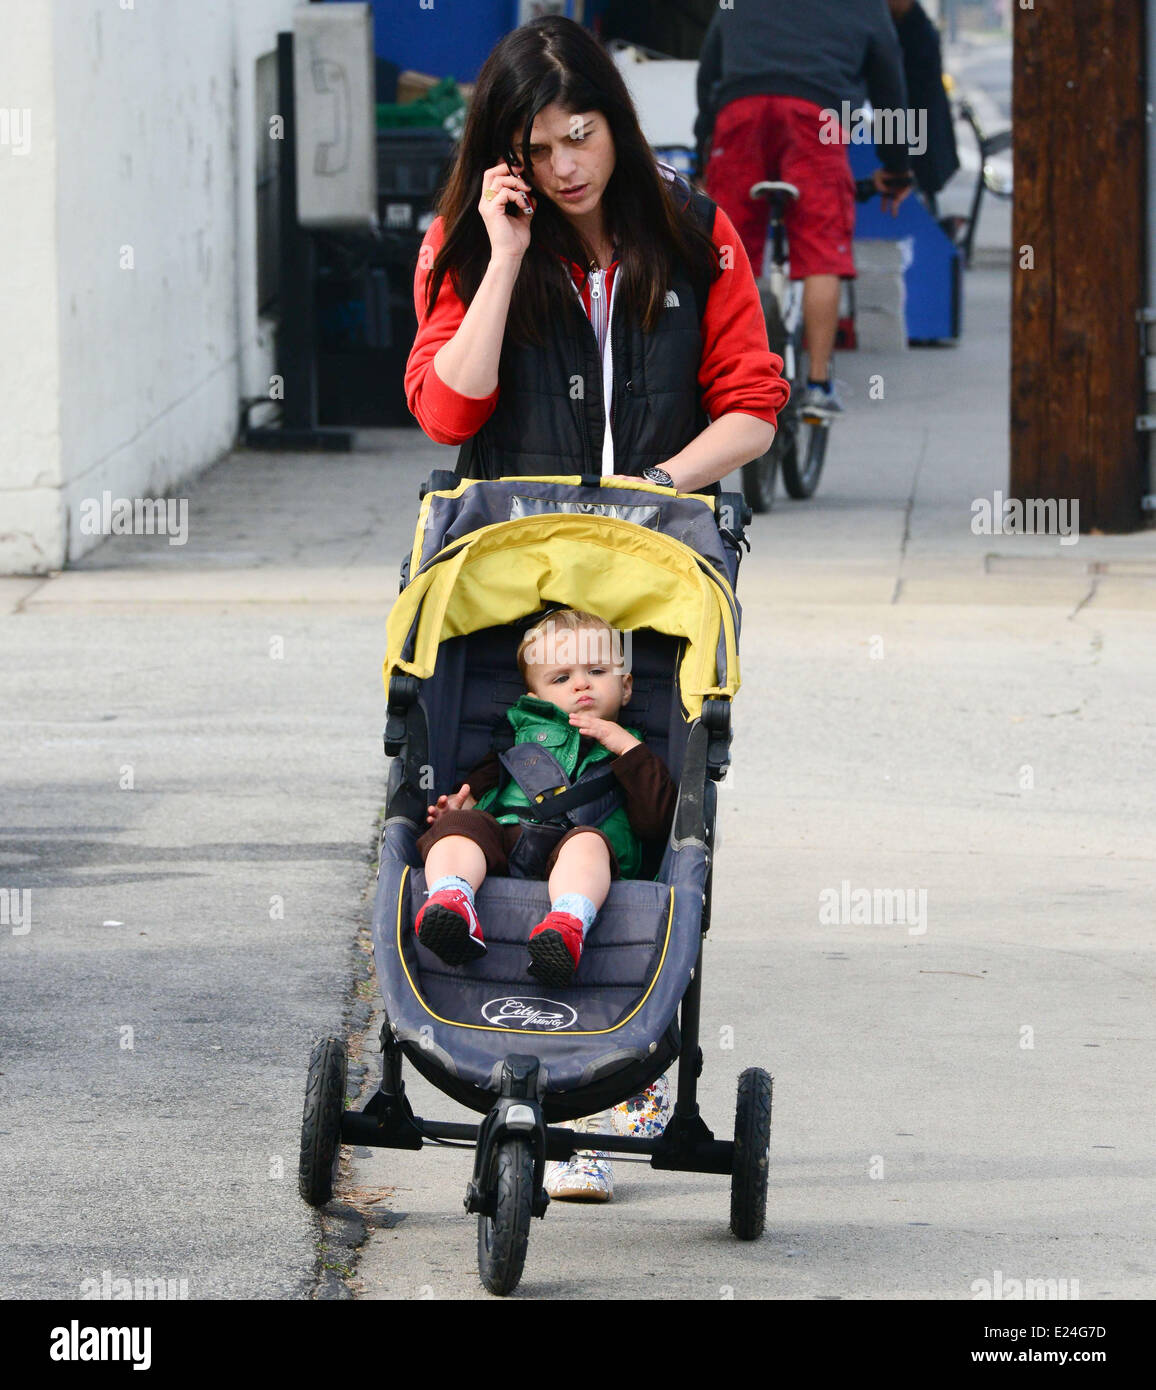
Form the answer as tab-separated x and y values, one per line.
515	1130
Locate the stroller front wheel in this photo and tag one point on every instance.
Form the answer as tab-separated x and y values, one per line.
321	1121
503	1237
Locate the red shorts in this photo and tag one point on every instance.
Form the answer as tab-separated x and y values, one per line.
771	137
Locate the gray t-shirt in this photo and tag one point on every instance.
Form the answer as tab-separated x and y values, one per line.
824	51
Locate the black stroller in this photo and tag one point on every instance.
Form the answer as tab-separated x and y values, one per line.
489	558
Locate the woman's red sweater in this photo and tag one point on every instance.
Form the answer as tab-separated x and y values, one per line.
737	372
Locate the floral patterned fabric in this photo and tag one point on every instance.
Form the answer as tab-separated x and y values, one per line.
588	1176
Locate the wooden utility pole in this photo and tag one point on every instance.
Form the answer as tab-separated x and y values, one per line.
1078	256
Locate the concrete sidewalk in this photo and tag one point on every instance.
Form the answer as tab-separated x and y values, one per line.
193	765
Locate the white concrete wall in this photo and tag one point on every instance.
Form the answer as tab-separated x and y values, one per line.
31	534
152	297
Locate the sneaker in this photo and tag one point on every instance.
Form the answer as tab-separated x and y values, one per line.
586	1176
819	404
645	1115
448	926
583	1178
555	949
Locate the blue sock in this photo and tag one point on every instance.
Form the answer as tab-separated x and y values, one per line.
451	881
578	906
826	385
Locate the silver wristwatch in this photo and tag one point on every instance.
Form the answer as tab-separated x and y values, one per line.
659	476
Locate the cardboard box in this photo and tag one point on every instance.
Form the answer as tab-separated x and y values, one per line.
412	85
880	296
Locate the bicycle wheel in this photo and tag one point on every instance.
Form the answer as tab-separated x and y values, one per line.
759	479
805	451
804	466
759	476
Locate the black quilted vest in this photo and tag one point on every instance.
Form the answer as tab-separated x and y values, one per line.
550	418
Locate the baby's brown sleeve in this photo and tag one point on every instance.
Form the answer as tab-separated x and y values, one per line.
650	791
487	774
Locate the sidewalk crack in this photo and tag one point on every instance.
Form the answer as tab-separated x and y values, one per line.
907	511
1085	600
19	607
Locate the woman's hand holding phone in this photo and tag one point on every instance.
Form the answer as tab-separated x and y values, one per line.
509	234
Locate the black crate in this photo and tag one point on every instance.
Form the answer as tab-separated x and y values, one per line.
363	388
365	329
412	165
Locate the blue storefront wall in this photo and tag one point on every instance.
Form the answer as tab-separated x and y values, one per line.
450	38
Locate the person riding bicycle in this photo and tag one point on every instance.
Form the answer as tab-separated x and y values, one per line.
770	75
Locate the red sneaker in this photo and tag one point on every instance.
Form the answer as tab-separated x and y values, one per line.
556	949
448	926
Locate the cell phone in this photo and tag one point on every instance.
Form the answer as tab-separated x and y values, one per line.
512	208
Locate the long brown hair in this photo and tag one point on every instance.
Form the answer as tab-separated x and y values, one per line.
553	59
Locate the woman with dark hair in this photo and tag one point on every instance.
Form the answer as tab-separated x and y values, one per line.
580	308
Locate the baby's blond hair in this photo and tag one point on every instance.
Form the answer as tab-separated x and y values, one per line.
562	620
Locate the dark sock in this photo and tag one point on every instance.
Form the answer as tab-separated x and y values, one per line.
826	385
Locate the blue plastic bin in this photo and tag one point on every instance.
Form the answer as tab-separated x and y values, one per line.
934	276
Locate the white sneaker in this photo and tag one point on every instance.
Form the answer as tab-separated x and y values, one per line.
585	1176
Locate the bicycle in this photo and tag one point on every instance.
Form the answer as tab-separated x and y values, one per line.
988	180
799	449
800	445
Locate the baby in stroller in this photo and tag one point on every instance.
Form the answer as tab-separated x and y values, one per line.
576	688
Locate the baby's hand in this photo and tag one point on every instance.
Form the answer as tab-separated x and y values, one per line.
610	735
456	801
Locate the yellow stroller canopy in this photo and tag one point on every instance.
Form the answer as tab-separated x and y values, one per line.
628	574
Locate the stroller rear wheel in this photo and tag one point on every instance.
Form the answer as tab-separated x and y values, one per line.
503	1237
752	1151
321	1122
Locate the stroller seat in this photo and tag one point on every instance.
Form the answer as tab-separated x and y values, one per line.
619	962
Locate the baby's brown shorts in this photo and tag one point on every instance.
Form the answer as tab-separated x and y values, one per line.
496	840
